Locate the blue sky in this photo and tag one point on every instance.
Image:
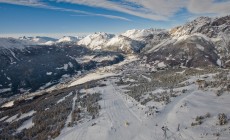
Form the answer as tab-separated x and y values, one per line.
80	17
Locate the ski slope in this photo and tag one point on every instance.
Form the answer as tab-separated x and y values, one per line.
123	118
116	121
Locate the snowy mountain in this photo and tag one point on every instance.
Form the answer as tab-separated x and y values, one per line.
96	40
190	51
10	43
104	41
212	33
211	27
39	40
124	44
143	35
217	29
68	39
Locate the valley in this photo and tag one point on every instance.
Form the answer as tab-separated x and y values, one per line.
139	85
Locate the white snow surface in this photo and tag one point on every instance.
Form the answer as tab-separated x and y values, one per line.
12	118
8	104
26	125
88	58
62	99
161	65
68	39
141	34
26	115
38	39
5	90
9	43
200	47
90	77
96	40
48	73
3	118
121	117
112	123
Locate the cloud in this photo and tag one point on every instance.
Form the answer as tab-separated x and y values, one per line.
159	9
149	9
154	9
209	7
40	4
35	3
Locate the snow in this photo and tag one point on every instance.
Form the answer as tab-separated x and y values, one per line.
48	73
10	43
68	39
62	99
148	79
123	43
65	67
70	115
26	125
26	115
118	110
141	34
90	77
218	62
5	90
112	121
3	118
13	54
200	47
163	43
104	58
14	118
88	58
70	65
96	40
181	72
161	65
11	118
8	104
206	102
49	43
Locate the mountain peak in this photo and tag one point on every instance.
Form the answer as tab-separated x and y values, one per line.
68	39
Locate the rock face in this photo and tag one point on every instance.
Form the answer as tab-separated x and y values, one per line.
32	67
192	51
204	41
204	25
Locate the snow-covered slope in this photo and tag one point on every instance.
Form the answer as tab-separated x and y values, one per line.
142	35
96	40
217	29
124	44
190	51
211	27
131	41
39	40
212	33
9	43
68	39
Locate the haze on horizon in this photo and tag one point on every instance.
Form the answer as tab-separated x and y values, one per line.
56	18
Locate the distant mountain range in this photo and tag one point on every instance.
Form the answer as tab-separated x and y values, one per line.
202	42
